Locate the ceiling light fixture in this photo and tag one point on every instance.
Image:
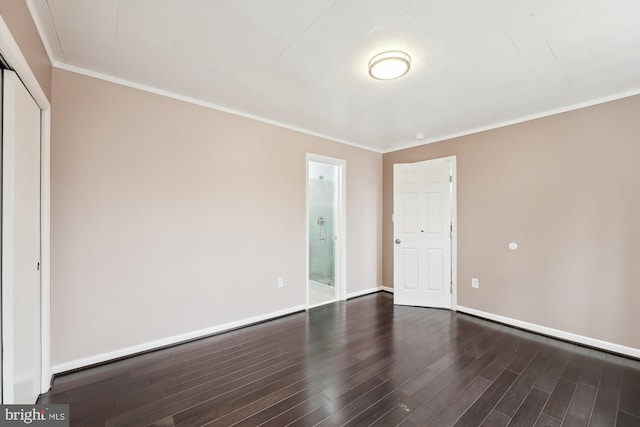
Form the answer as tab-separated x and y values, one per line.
389	65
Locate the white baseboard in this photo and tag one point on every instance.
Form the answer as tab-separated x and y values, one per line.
176	339
362	292
368	291
568	336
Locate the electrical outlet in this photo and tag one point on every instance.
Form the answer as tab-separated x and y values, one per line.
475	283
281	282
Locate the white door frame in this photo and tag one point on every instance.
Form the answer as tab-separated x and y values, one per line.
339	223
14	58
454	230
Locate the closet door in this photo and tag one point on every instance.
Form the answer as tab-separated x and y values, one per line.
21	289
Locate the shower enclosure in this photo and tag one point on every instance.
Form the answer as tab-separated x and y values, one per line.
322	203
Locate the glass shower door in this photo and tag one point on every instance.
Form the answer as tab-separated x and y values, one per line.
322	202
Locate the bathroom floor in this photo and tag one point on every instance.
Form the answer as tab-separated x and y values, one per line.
319	293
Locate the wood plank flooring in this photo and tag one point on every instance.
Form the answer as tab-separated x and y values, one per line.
360	363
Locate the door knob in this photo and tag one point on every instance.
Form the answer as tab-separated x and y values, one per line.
398	241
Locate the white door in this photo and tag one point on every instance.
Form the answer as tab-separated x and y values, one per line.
422	233
21	292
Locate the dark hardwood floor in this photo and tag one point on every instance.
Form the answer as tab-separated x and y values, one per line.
359	363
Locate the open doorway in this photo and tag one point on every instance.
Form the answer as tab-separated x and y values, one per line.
325	225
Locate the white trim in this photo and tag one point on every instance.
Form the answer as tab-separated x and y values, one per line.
340	221
522	119
454	237
44	29
56	63
364	292
173	95
45	247
307	292
356	294
320	304
396	147
564	335
8	210
173	340
12	54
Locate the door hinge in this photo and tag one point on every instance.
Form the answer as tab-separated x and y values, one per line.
451	288
451	231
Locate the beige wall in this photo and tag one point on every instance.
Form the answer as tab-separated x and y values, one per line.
566	188
158	206
169	217
17	17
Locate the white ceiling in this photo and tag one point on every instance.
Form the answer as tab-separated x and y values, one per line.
476	64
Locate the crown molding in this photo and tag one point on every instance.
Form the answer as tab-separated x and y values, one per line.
199	102
497	125
397	146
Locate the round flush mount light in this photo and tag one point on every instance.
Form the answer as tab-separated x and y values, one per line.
389	65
